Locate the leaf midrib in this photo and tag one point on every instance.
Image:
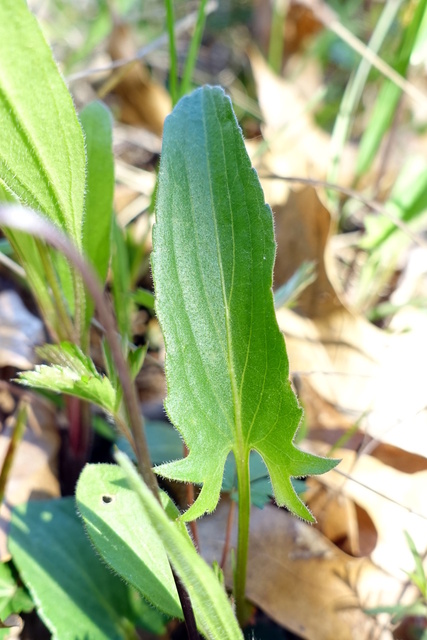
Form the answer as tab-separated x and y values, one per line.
241	449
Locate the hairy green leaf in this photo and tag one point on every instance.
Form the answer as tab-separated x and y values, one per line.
96	121
211	606
71	372
164	445
226	362
122	535
42	156
75	593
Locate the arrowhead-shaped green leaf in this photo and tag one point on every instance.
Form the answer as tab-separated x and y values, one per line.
226	362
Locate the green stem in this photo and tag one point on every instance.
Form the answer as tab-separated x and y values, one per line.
193	50
173	71
243	480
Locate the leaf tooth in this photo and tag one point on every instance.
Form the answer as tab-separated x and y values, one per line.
206	471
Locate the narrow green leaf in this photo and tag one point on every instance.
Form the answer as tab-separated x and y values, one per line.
71	372
42	157
124	537
389	95
226	362
407	202
75	593
121	281
211	606
96	121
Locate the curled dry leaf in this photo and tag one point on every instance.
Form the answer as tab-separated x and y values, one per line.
370	483
143	101
302	227
297	146
367	374
20	331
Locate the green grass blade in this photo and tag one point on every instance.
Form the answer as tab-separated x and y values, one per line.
193	50
173	59
226	361
388	98
353	92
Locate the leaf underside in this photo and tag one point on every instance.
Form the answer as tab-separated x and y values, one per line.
226	363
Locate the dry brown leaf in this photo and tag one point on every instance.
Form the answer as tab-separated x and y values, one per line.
300	24
20	331
365	373
301	580
371	483
33	474
297	146
143	101
302	227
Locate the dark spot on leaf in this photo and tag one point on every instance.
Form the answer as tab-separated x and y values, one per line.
107	499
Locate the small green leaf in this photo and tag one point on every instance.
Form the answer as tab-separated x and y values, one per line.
13	599
144	298
114	521
71	372
211	606
226	362
75	593
96	121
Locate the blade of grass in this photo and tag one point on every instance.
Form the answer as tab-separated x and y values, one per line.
331	21
173	71
388	98
180	27
354	90
194	49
